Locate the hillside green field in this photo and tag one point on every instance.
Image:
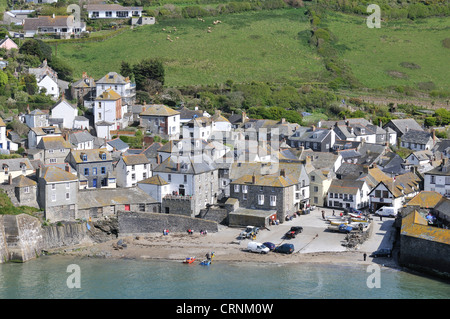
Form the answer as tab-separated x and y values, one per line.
252	46
409	53
270	46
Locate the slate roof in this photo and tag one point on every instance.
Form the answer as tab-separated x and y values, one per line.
108	95
187	164
405	124
112	196
187	114
53	174
135	159
425	199
23	181
39	131
416	136
159	110
53	143
118	144
154	180
273	180
45	21
93	155
443	169
15	164
345	186
113	78
80	137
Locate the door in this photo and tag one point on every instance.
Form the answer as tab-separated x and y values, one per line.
127	207
94	183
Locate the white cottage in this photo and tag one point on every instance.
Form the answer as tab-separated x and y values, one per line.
65	111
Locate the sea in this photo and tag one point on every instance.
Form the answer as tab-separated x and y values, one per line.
66	277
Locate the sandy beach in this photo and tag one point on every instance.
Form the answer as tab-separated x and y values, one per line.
314	245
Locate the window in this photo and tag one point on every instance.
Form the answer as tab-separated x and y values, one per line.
26	189
316	189
185	178
67	185
53	187
103	170
84	157
433	179
245	189
86	172
133	177
260	199
133	167
316	200
144	175
142	207
53	160
94	171
244	196
313	178
236	188
273	200
67	196
331	195
53	197
103	156
169	178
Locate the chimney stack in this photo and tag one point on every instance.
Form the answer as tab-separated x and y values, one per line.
67	168
10	179
282	172
253	179
244	117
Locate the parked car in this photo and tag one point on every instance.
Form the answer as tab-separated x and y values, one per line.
257	248
351	210
345	229
285	249
293	231
383	252
269	245
249	232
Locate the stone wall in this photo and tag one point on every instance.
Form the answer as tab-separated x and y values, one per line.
425	255
23	238
141	223
217	214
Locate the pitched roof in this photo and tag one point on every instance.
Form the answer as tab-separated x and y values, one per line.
23	181
416	136
154	180
109	95
273	180
112	7
52	174
405	124
53	143
403	184
135	159
16	164
186	165
46	21
159	110
425	199
93	155
113	78
345	186
112	196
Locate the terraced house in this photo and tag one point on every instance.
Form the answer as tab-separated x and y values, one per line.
131	169
94	168
266	192
161	120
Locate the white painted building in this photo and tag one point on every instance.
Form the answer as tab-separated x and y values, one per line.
156	187
50	86
438	179
108	108
348	193
65	111
112	11
132	169
5	143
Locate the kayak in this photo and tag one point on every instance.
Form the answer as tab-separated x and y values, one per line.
206	262
189	260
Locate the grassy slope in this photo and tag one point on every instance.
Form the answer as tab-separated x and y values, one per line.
372	53
260	46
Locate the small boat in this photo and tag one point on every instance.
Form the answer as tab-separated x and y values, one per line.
189	260
206	262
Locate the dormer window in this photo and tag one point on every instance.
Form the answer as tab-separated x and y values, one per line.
103	156
84	157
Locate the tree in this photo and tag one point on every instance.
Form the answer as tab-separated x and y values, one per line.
126	69
3	79
148	69
31	86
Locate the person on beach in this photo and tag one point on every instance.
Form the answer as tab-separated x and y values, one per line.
365	256
323	214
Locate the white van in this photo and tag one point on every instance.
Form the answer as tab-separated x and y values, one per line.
387	211
255	247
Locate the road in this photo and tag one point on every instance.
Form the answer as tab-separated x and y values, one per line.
316	238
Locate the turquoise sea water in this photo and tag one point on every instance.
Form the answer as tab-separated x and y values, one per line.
46	278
